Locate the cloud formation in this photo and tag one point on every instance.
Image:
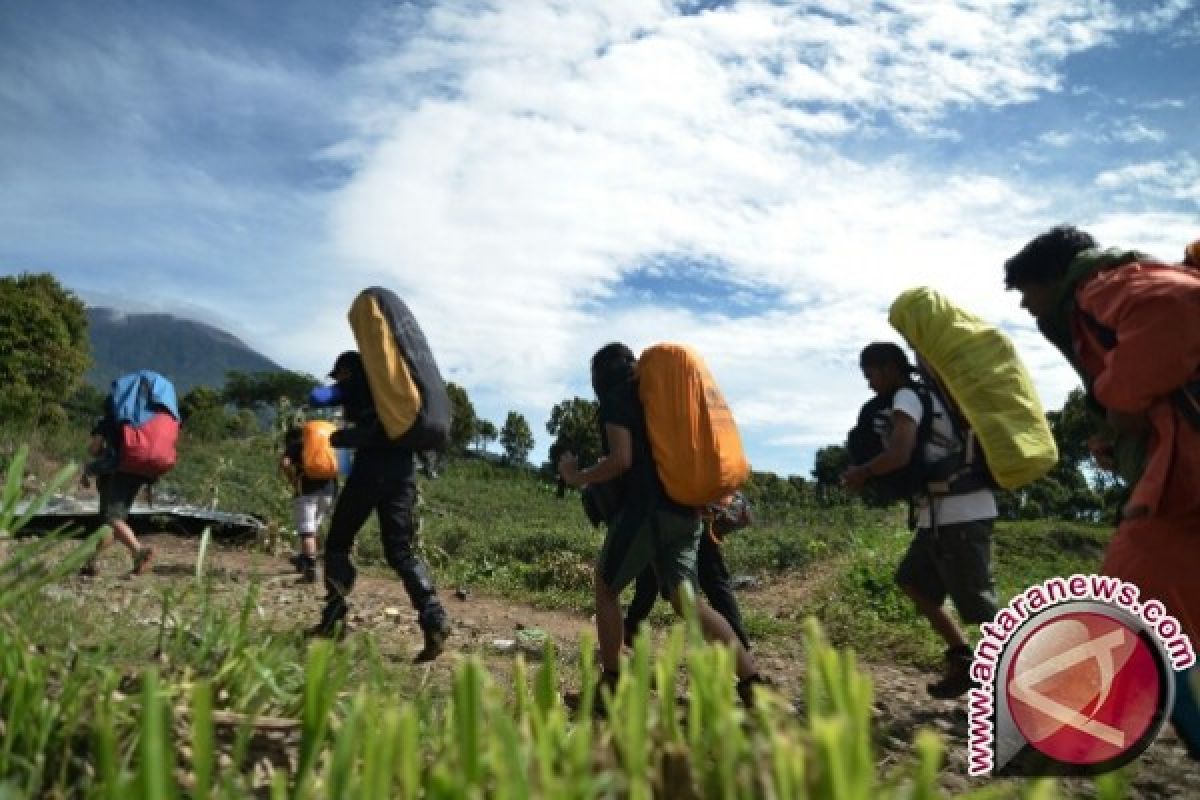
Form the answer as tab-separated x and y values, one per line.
524	159
538	177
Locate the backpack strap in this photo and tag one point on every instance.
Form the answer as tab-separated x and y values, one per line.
964	470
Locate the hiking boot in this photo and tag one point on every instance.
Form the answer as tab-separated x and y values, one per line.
297	561
332	624
308	575
607	681
956	675
88	570
142	560
747	685
435	643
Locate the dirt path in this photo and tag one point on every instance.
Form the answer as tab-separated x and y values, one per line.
379	605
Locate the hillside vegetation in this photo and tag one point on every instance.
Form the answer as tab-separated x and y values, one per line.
199	684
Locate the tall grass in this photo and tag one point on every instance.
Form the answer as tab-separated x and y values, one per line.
222	698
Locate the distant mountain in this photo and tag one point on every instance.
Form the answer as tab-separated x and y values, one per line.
190	353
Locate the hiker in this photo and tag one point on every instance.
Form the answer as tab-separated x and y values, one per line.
1130	327
310	467
382	479
648	529
951	551
131	445
712	575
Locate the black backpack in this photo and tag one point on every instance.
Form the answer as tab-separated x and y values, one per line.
962	470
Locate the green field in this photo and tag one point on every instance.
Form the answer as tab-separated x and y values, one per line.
161	688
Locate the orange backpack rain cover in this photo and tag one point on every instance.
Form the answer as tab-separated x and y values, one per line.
695	441
316	455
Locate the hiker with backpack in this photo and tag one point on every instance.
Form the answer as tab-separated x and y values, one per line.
396	405
1130	327
648	528
310	467
132	445
712	575
950	554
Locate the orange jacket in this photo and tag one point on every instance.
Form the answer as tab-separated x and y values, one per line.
1153	312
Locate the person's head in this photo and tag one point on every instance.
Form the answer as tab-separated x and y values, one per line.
885	366
1040	266
1191	254
612	365
347	365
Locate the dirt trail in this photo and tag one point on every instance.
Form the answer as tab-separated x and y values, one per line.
380	605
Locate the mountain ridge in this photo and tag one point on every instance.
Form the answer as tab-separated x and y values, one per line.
188	352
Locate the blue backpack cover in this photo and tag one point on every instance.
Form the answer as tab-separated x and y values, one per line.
137	395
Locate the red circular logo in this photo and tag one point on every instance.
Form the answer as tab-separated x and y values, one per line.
1083	688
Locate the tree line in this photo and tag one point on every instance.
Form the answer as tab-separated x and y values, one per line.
49	352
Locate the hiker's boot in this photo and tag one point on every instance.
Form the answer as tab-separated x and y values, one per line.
332	624
956	677
297	561
746	687
307	565
605	689
630	634
89	570
435	643
142	560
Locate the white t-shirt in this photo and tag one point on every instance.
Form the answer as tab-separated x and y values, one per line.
980	504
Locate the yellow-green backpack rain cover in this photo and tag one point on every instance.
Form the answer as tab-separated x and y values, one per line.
979	367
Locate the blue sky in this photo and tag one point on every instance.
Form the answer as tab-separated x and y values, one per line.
537	178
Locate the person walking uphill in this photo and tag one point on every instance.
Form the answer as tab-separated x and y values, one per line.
951	552
133	445
383	479
647	528
310	466
1130	327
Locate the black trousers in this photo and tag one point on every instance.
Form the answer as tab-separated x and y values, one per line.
384	481
714	580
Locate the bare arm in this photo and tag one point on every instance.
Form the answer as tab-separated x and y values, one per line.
616	463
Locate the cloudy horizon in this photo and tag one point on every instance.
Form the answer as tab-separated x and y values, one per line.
536	178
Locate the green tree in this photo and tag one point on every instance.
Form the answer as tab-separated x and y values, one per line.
485	433
462	420
197	399
573	424
265	389
829	464
516	438
85	404
44	330
1066	491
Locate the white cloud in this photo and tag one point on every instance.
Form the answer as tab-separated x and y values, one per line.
512	163
1137	132
520	158
1177	179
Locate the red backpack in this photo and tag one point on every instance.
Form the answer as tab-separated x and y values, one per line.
149	450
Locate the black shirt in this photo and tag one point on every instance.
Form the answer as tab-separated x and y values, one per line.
639	488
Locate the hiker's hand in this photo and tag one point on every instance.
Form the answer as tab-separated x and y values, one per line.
1102	452
855	477
568	469
1128	424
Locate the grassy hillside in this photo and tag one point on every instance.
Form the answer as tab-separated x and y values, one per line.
118	688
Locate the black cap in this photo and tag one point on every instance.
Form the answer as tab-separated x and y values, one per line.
349	360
